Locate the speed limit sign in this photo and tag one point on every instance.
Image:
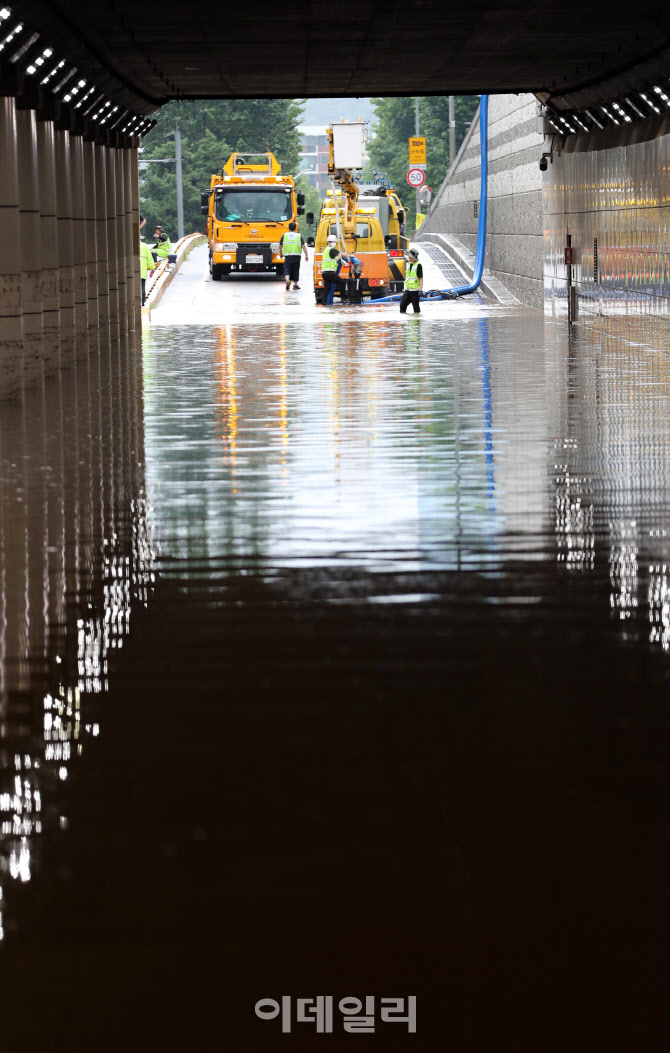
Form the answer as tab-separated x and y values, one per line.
416	178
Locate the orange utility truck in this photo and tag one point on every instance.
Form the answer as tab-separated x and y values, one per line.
356	226
248	208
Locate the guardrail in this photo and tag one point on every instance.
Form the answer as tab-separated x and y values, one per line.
165	271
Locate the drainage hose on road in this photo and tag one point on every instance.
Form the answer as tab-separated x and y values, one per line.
463	290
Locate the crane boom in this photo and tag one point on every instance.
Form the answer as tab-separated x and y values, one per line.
346	153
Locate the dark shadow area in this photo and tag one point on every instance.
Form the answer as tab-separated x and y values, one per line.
458	800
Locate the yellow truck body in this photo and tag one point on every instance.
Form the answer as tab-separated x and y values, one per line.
366	243
355	223
377	202
248	208
389	210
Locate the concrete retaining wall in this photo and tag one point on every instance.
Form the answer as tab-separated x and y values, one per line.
514	252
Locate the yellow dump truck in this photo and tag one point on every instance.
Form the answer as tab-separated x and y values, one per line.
248	208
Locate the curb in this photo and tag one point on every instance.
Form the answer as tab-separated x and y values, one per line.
466	261
164	274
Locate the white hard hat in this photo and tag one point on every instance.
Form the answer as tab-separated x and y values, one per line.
331	239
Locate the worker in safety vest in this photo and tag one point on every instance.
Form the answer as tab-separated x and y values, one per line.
147	265
291	245
163	247
330	267
413	283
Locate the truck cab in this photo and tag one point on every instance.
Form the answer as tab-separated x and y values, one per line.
248	208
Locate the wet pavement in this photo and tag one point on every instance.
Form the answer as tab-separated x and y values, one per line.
334	659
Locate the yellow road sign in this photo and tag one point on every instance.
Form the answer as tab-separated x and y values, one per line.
417	151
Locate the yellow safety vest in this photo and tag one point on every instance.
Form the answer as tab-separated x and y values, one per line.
291	243
328	263
146	260
412	281
163	249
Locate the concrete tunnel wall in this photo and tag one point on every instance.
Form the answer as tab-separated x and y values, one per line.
69	246
514	249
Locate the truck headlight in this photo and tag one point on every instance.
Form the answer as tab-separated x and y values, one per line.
229	246
275	248
219	246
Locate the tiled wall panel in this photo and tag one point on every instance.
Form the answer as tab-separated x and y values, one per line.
621	197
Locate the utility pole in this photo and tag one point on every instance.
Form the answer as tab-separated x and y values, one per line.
416	132
452	131
180	186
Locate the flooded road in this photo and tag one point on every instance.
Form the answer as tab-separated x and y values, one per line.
334	649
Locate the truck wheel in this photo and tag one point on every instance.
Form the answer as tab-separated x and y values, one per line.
216	270
318	296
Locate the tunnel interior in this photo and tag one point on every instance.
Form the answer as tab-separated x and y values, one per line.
334	645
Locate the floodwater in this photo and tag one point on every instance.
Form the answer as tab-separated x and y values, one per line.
334	660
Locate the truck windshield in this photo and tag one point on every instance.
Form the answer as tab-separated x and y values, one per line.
362	230
251	204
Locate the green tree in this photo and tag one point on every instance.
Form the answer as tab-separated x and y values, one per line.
434	124
388	148
211	129
395	124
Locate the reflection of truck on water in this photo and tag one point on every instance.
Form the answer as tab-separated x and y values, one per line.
355	225
248	208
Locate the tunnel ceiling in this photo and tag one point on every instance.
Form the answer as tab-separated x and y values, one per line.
142	54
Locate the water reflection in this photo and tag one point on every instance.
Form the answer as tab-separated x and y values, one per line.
611	469
333	442
454	444
75	555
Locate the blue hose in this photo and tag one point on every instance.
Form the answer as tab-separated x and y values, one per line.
463	290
